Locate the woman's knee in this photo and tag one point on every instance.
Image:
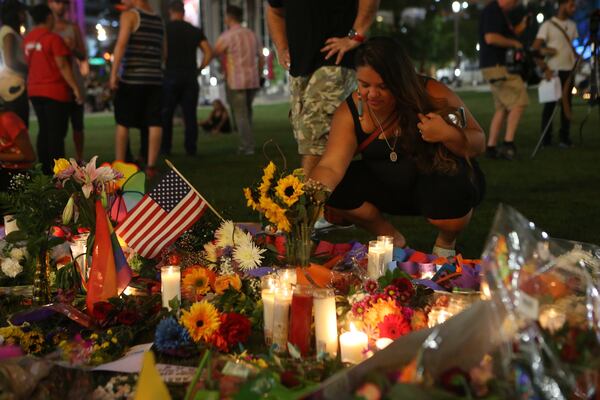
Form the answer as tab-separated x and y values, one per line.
452	224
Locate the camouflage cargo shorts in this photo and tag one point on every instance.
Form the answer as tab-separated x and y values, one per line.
314	99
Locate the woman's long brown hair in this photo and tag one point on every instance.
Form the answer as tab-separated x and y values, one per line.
389	59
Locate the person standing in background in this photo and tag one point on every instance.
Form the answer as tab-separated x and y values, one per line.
12	17
315	41
557	35
140	51
180	86
51	85
244	63
71	34
496	35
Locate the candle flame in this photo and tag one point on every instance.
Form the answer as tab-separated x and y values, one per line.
352	327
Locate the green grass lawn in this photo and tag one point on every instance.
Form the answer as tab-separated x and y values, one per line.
559	190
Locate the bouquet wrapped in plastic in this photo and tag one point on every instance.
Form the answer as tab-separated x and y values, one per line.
535	336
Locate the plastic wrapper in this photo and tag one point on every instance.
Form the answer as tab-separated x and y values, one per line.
547	290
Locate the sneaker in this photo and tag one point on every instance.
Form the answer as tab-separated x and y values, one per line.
508	151
491	152
322	226
565	143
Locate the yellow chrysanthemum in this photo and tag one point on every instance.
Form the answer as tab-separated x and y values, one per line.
268	174
197	281
275	214
201	321
251	201
289	189
224	282
60	165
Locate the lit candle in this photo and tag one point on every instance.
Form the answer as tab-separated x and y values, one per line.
281	316
376	258
268	299
10	224
552	319
387	243
353	345
383	342
79	252
287	276
325	321
170	278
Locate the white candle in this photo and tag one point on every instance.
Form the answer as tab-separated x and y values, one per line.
387	243
281	316
353	345
268	298
383	342
287	276
79	252
10	224
170	279
375	258
325	321
552	319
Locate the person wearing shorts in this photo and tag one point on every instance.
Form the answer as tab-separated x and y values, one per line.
496	35
320	63
139	49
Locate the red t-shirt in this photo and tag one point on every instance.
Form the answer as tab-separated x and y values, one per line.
44	79
11	126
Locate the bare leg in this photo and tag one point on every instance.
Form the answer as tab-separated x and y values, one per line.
309	162
154	142
449	229
369	218
121	136
495	126
512	122
78	140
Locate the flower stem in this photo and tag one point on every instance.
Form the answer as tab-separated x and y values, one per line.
203	361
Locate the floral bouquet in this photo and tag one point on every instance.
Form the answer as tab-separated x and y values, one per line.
13	259
292	204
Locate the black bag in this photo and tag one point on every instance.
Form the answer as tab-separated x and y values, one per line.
521	62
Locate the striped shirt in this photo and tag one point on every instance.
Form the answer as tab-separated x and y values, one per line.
241	57
142	62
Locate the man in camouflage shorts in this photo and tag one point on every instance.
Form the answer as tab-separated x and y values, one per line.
315	40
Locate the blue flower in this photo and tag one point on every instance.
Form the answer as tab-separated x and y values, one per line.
170	335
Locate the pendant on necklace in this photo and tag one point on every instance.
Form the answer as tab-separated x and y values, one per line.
393	156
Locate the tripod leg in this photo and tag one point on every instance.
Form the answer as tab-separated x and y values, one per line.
539	143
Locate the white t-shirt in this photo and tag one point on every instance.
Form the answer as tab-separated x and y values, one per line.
20	56
564	59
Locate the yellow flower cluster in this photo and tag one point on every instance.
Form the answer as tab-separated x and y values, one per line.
31	342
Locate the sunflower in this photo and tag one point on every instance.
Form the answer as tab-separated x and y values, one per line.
197	281
275	214
268	174
289	189
252	199
201	321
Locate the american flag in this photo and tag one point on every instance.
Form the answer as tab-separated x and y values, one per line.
161	216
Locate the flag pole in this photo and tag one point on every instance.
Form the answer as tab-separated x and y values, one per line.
170	164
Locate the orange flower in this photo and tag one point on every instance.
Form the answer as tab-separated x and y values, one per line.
224	282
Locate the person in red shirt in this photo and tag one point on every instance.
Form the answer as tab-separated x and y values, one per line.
50	85
16	152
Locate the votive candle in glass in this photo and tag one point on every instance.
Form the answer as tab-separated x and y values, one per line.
300	334
170	279
281	315
326	335
375	259
387	243
353	345
268	284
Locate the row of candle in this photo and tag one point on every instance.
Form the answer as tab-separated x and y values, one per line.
381	252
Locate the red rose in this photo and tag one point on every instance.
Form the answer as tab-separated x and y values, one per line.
127	317
102	310
289	379
234	329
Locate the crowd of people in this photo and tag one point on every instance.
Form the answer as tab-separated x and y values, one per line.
349	96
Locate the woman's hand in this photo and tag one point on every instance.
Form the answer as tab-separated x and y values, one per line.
433	128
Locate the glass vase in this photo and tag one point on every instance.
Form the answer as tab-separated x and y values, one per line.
41	284
299	246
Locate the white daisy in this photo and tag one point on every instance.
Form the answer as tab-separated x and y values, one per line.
248	255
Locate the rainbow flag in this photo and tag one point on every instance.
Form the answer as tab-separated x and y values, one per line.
109	274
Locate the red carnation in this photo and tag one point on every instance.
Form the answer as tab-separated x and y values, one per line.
393	326
102	310
234	329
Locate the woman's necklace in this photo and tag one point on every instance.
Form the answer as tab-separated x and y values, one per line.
393	154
